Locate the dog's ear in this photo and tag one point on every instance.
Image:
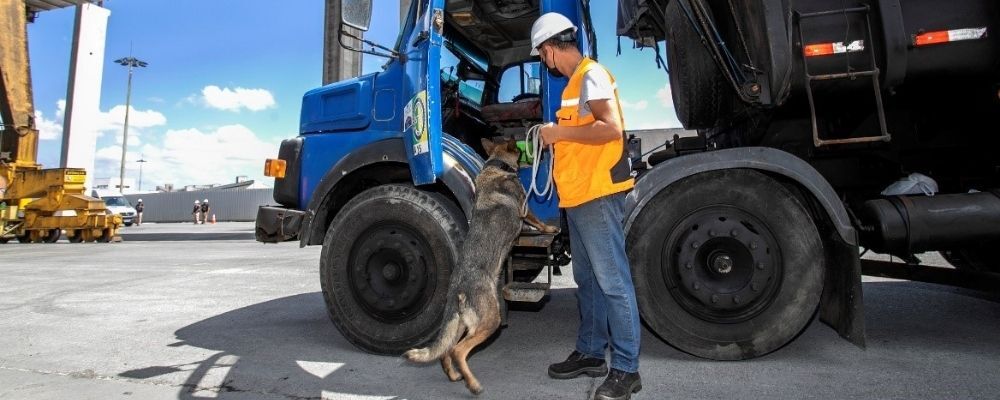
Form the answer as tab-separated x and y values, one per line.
488	145
512	145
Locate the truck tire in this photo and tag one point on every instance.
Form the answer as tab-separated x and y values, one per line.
727	265
52	235
77	236
386	264
701	94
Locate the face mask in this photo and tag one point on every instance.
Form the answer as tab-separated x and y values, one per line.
553	71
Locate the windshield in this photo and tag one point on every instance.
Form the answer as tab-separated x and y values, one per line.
116	201
469	90
474	57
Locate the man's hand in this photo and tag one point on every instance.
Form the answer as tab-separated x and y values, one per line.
549	133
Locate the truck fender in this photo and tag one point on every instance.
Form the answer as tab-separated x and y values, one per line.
841	305
457	177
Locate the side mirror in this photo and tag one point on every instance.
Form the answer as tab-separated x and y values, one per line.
356	13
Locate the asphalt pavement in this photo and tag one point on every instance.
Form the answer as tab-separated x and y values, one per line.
178	311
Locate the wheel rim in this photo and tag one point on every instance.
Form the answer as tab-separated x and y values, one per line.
389	272
722	264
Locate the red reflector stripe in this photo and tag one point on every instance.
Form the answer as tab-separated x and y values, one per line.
824	49
931	38
953	35
821	49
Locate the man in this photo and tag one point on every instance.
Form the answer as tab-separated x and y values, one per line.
197	212
592	173
205	208
138	212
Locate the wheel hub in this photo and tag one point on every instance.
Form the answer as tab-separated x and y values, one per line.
722	264
389	272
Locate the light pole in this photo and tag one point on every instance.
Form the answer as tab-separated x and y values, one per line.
131	63
140	161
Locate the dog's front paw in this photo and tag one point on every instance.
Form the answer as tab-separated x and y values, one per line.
475	388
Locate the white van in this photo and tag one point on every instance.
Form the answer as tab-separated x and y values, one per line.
117	204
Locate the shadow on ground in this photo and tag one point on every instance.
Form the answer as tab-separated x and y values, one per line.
288	348
185	236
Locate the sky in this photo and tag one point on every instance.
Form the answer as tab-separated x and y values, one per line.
226	78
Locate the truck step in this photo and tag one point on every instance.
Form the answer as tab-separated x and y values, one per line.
525	292
533	238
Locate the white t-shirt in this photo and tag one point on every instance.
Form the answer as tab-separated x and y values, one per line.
596	86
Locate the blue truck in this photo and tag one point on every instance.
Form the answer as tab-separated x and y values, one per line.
823	128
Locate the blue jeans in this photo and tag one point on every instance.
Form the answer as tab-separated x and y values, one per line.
606	295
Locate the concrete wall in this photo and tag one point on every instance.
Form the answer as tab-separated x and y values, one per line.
227	205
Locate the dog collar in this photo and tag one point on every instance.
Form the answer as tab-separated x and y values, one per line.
500	164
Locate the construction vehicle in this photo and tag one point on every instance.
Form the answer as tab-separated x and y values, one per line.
806	113
36	204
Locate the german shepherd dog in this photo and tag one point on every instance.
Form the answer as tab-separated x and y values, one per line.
473	308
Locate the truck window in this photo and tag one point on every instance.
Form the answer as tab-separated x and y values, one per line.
519	81
116	201
471	91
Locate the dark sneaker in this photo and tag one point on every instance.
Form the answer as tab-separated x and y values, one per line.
577	364
619	386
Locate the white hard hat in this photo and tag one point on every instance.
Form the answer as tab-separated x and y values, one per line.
196	202
547	26
206	200
140	200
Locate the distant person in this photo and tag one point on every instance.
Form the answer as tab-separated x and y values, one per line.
138	212
197	212
205	208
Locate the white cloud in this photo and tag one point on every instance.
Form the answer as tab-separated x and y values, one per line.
638	106
113	122
637	117
113	153
50	129
114	119
665	97
191	156
47	129
235	99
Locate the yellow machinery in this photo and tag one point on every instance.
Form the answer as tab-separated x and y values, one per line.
36	205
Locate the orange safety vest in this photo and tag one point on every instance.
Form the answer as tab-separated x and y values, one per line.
584	172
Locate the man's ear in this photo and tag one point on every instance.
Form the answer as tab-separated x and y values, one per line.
488	145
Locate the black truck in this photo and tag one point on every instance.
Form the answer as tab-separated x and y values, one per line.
825	129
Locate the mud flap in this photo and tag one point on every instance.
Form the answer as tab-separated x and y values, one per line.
842	304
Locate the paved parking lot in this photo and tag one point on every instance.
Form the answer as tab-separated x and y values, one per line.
189	312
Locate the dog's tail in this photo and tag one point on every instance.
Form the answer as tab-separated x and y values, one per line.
449	335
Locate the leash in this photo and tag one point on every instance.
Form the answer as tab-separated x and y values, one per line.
533	138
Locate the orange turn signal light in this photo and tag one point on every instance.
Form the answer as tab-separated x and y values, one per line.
275	167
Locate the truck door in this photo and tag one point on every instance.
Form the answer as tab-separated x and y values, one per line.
421	91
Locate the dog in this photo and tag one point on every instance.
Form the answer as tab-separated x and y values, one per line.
473	308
